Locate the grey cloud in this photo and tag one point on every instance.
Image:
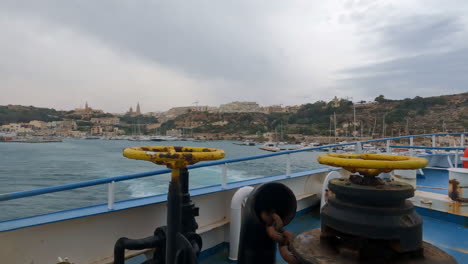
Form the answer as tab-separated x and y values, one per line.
418	33
423	75
204	39
413	54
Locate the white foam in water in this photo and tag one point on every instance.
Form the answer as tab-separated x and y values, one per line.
143	188
198	178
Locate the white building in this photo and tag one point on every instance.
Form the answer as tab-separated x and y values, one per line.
239	107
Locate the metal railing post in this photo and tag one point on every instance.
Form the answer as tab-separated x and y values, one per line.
434	141
110	195
462	140
358	149
387	149
224	176
288	165
411	143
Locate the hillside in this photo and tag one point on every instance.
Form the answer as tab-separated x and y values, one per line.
416	115
19	113
396	117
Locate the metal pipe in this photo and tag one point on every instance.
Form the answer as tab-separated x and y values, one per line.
424	147
411	142
110	195
224	176
174	211
288	165
135	244
358	149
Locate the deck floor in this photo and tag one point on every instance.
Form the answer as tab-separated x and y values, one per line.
439	233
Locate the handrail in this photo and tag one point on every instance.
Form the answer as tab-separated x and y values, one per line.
413	136
77	185
424	147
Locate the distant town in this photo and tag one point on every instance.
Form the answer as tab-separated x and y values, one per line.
339	117
98	123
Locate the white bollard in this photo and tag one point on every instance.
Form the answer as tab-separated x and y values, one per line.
236	220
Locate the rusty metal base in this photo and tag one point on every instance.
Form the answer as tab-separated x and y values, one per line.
308	249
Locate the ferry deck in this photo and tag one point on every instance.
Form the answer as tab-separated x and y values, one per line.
87	235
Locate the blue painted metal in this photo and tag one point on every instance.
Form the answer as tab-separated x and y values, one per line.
24	222
424	147
433	178
77	185
409	136
445	235
71	186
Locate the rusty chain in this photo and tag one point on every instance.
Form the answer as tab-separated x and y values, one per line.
275	230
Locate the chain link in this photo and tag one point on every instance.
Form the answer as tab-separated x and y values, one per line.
275	230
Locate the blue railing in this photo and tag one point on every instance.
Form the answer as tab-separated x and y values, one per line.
424	147
111	180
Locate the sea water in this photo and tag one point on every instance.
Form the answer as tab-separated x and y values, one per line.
27	166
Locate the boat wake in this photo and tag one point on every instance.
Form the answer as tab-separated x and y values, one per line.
199	178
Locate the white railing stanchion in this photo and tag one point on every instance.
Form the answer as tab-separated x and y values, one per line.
411	143
434	141
110	195
358	148
224	176
462	140
387	149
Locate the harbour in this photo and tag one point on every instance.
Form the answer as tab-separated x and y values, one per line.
244	132
307	182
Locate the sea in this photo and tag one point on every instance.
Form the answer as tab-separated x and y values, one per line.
28	166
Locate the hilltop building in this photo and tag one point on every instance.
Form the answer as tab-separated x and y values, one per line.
274	109
240	107
177	111
138	112
87	111
130	111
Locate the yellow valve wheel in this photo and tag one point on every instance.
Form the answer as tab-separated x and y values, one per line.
372	164
174	157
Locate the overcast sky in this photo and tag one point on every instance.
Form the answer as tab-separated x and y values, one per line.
174	53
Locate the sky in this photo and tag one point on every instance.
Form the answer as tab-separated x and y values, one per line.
113	54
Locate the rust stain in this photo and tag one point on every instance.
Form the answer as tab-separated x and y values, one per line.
456	191
188	157
179	149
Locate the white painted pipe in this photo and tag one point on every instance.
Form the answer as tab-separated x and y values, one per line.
236	219
330	176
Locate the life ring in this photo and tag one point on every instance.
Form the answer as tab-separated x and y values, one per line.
173	157
372	164
465	159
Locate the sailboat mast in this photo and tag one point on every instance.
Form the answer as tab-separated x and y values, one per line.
334	124
354	120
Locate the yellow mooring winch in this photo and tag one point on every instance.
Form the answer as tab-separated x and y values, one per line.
368	219
177	242
372	164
